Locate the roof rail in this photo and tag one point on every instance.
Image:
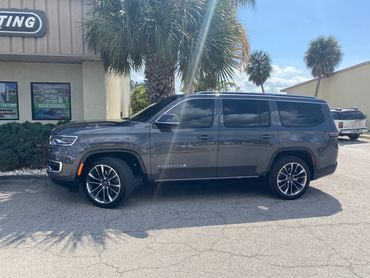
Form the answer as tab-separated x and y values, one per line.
341	109
252	94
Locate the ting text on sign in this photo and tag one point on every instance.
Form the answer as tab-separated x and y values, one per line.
24	23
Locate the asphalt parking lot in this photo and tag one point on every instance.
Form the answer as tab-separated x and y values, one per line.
192	230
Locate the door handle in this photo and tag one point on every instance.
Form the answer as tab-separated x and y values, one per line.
266	136
204	137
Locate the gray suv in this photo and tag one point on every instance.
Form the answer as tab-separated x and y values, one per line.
290	140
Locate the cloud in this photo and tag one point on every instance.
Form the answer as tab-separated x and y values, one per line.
281	77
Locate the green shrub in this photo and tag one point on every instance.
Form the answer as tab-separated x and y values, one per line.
24	145
139	99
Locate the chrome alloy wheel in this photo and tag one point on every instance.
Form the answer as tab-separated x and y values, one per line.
292	179
103	184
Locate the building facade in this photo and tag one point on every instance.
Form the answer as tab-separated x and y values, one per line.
47	72
346	88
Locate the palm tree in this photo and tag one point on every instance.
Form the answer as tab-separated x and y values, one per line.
259	68
210	83
193	38
322	56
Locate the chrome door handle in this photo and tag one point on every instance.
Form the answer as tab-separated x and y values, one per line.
204	137
266	136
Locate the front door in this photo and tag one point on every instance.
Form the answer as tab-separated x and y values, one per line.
184	141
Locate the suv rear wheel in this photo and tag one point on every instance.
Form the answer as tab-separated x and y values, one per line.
108	181
289	177
354	137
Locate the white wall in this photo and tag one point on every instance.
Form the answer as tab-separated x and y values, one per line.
346	88
94	97
118	95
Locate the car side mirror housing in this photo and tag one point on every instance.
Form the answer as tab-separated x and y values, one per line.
168	121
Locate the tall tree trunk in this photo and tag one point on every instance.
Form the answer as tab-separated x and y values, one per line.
159	78
263	90
317	86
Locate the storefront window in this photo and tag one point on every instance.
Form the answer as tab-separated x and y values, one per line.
51	101
9	101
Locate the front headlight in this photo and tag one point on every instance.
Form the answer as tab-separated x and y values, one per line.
62	140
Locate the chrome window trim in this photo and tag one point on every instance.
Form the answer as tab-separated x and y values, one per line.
156	120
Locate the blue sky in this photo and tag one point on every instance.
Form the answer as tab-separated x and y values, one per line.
284	29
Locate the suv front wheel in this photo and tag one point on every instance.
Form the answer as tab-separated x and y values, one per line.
108	181
289	177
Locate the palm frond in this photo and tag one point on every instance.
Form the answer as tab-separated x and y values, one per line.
197	38
259	67
323	56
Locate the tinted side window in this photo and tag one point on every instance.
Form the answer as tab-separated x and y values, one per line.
195	113
151	110
353	115
336	115
296	114
246	113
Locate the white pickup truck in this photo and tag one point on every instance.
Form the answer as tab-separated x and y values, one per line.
350	122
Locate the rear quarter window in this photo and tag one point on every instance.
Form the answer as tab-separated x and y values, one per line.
336	115
298	114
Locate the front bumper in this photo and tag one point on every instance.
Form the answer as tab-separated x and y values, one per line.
63	164
58	177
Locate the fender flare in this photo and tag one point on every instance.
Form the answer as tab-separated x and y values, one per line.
122	151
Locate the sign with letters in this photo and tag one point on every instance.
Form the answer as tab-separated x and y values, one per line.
22	23
9	101
51	101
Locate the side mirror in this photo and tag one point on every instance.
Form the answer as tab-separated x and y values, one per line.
168	121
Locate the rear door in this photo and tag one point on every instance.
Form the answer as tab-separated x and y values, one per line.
246	139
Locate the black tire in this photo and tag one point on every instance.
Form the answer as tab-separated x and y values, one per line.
125	179
354	137
278	166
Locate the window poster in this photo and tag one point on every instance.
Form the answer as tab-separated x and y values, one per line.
9	101
51	101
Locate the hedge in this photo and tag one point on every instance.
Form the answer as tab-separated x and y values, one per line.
24	145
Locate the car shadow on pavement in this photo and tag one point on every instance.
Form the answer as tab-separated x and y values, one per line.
35	211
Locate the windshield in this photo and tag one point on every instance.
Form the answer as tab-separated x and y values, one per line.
147	113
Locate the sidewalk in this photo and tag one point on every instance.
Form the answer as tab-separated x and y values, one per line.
366	135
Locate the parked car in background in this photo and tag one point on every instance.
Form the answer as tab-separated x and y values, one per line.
290	140
350	122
